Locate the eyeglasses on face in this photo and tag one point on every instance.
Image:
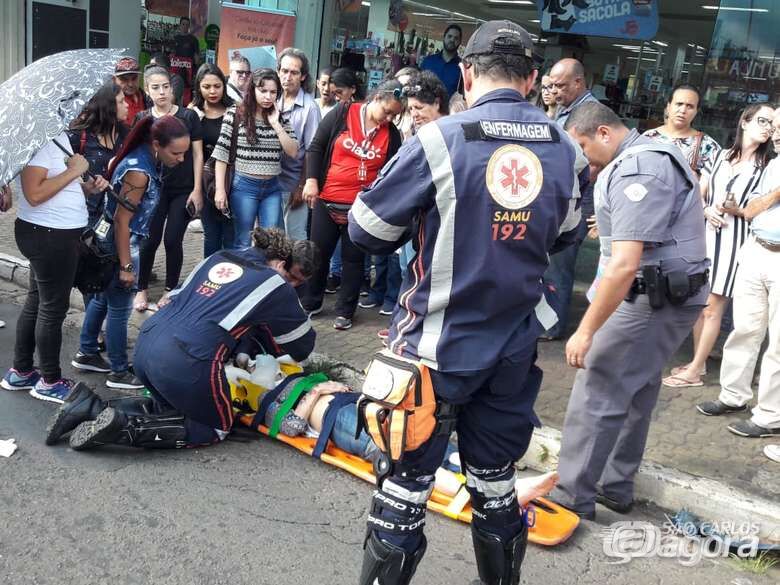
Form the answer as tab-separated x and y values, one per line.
547	88
241	72
764	122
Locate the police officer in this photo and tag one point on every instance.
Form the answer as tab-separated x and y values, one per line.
649	215
489	191
232	301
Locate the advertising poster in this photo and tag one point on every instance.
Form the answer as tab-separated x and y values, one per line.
256	34
619	19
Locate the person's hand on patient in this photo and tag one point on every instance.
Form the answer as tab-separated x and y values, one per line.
330	387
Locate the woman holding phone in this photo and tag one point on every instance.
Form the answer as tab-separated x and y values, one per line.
181	198
261	138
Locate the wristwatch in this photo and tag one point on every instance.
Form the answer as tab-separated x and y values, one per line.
127	267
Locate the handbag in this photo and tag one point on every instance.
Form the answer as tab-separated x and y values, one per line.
98	260
209	176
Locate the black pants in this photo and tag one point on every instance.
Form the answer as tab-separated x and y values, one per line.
53	256
173	208
326	233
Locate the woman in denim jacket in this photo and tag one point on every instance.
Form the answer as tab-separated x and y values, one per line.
135	175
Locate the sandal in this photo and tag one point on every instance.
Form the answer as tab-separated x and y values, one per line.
679	382
676	371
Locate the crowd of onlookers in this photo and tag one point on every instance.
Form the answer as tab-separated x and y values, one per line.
257	147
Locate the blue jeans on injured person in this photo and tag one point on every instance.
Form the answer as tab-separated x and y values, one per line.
114	305
560	274
254	199
343	435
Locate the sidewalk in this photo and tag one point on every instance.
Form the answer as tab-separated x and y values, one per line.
686	452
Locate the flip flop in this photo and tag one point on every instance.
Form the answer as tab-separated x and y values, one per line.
680	382
773	452
680	369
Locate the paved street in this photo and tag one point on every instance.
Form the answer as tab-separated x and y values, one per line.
238	513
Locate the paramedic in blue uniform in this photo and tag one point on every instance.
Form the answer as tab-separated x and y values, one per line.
649	215
239	300
489	191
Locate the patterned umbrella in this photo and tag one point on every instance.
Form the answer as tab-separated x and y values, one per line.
39	102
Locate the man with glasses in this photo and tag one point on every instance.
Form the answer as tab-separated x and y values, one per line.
299	108
240	77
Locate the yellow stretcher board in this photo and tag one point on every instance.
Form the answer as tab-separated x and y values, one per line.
553	523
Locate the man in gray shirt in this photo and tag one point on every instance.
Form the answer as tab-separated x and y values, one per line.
299	108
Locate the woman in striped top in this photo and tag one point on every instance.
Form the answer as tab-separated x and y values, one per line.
262	137
736	172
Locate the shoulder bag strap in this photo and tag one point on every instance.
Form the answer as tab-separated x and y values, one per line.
234	140
697	152
83	142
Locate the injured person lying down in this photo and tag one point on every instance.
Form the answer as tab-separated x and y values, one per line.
331	407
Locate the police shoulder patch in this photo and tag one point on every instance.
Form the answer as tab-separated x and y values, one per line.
635	192
514	176
225	272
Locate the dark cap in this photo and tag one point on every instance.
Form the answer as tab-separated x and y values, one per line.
127	66
500	36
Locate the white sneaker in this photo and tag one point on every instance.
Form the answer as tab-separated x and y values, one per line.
196	226
2	324
773	452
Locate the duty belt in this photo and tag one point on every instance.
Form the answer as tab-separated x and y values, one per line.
771	246
696	281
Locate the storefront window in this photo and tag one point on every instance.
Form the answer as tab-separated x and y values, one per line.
728	48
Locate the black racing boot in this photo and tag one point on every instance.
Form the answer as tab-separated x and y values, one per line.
112	426
82	404
498	562
386	564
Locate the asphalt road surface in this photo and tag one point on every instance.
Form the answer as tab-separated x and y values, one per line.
253	512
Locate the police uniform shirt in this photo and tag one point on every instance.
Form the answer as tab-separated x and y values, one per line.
230	297
638	198
488	190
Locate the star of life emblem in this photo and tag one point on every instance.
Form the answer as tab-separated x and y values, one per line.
514	176
225	272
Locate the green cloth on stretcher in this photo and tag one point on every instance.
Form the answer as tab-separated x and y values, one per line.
300	388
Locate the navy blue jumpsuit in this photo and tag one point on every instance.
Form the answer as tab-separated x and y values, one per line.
231	300
490	192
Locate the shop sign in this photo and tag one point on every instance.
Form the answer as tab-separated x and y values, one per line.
755	69
611	72
620	19
256	34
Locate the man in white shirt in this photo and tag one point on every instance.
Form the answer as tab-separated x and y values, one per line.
240	77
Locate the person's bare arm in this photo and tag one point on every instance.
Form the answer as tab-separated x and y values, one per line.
613	287
755	206
134	186
37	188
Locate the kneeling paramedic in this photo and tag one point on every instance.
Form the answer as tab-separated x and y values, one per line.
649	215
232	301
490	192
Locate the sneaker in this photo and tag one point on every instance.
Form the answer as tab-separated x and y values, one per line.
717	408
16	380
365	288
367	303
125	380
333	284
2	324
747	428
195	226
90	363
313	312
52	392
383	333
773	452
342	323
386	312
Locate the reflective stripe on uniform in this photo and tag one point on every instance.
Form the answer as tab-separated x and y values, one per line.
250	302
416	497
490	489
545	314
296	333
191	275
441	270
374	225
